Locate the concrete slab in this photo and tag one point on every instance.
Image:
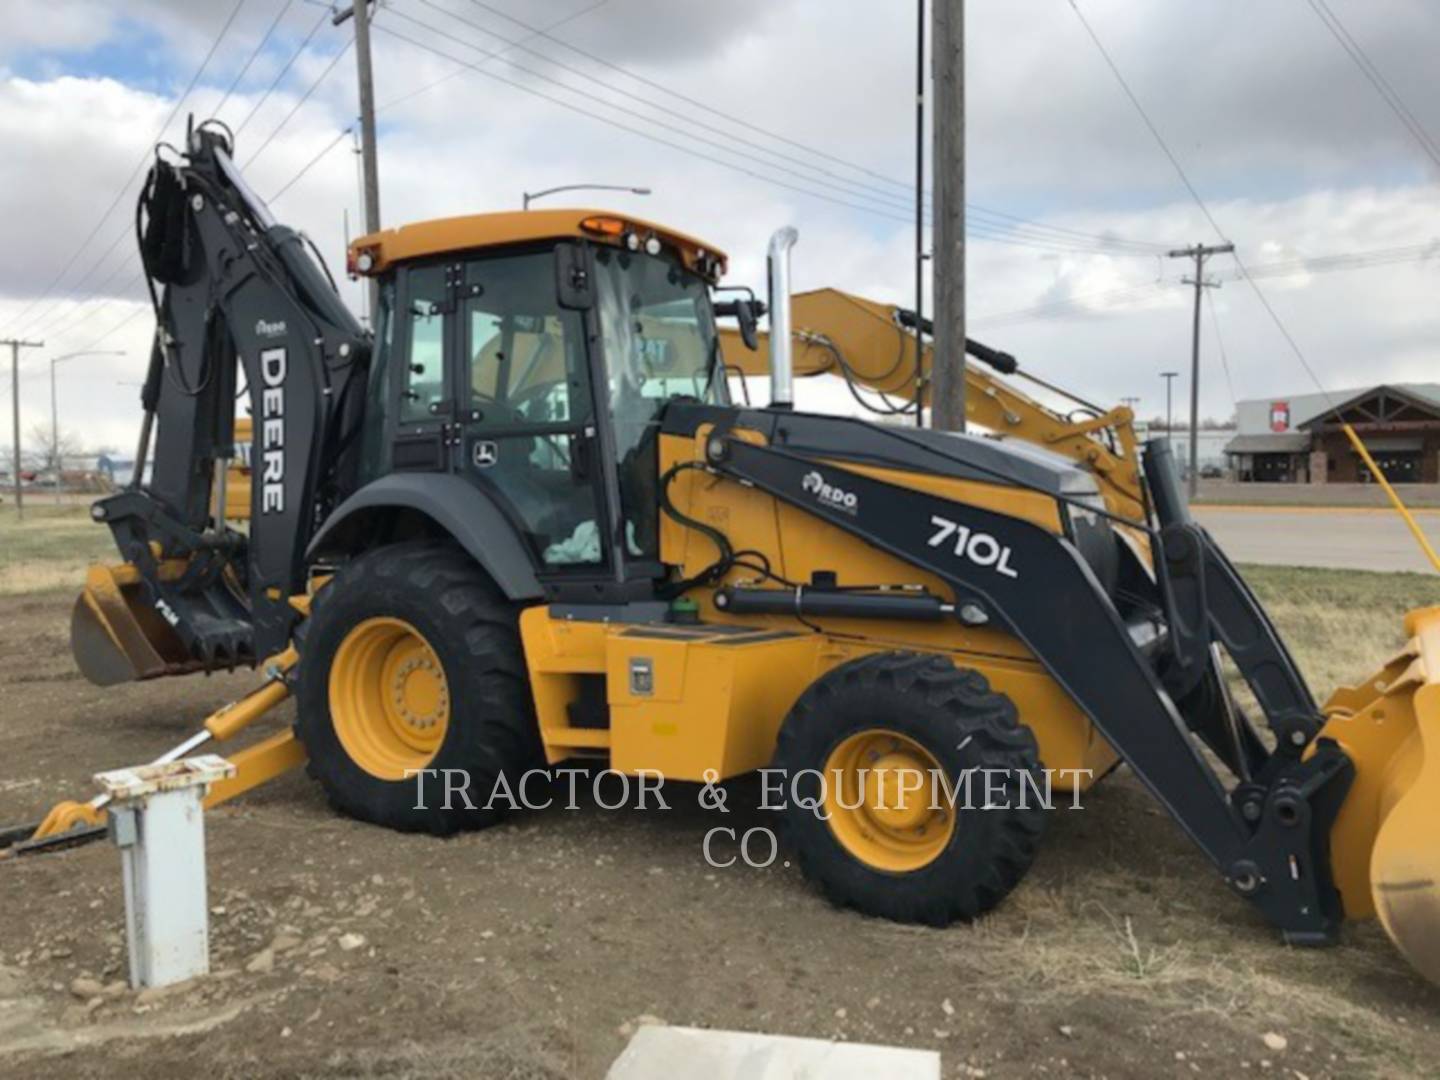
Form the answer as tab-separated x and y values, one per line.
662	1053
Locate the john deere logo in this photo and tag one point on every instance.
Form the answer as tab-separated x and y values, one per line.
827	494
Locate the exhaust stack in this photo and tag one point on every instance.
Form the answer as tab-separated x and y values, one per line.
782	363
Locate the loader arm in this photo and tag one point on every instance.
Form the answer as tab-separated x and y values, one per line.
233	291
872	345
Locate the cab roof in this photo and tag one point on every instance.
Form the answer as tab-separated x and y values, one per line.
442	236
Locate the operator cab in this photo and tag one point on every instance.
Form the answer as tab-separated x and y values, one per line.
525	351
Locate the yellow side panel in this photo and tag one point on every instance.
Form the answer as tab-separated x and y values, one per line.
558	652
716	707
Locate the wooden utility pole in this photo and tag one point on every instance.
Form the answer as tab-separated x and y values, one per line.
369	167
1200	252
15	347
948	361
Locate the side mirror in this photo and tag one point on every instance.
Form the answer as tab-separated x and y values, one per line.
574	280
745	315
742	311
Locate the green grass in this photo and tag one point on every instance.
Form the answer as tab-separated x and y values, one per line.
51	548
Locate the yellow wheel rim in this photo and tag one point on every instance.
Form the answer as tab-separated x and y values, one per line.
389	700
886	799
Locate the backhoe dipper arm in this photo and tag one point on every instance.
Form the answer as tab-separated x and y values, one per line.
230	284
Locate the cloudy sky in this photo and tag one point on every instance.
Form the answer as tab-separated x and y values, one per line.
743	115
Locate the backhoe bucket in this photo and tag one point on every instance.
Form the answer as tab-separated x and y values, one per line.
117	636
1385	846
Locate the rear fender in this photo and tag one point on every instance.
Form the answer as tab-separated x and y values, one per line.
457	508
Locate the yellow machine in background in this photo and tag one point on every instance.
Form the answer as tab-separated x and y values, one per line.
871	346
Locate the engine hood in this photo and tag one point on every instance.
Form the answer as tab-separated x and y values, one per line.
943	453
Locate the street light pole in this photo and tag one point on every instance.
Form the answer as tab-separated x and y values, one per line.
531	196
55	408
1169	377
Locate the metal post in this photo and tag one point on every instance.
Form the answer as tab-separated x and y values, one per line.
947	364
1169	377
15	346
1200	252
157	822
920	215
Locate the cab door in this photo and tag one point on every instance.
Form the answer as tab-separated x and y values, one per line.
525	408
423	353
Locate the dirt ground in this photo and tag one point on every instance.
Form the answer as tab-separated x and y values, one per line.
534	949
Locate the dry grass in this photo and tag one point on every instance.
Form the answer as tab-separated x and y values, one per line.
50	549
1341	625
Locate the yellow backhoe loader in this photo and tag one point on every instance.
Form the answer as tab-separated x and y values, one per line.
523	523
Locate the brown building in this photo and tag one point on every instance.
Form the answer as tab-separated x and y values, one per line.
1300	439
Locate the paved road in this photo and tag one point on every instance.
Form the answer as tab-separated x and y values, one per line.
1347	539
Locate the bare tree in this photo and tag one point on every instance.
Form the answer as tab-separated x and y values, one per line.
47	453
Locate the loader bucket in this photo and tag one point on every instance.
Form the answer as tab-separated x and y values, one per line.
117	636
1385	845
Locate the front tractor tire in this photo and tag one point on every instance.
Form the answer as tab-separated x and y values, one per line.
411	660
871	728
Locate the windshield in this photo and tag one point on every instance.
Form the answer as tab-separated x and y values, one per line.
659	333
658	336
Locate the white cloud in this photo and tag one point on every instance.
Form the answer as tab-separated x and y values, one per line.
1296	154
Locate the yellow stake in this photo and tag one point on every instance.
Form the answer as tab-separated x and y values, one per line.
1415	530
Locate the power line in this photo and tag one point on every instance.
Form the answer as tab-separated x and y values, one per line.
280	75
1376	78
312	162
235	83
1020	225
860	188
1200	202
461	71
889	211
1080	303
1220	344
616	123
126	231
731	146
740	121
303	99
139	168
406	97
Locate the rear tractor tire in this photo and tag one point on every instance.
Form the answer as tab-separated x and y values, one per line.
411	660
873	728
